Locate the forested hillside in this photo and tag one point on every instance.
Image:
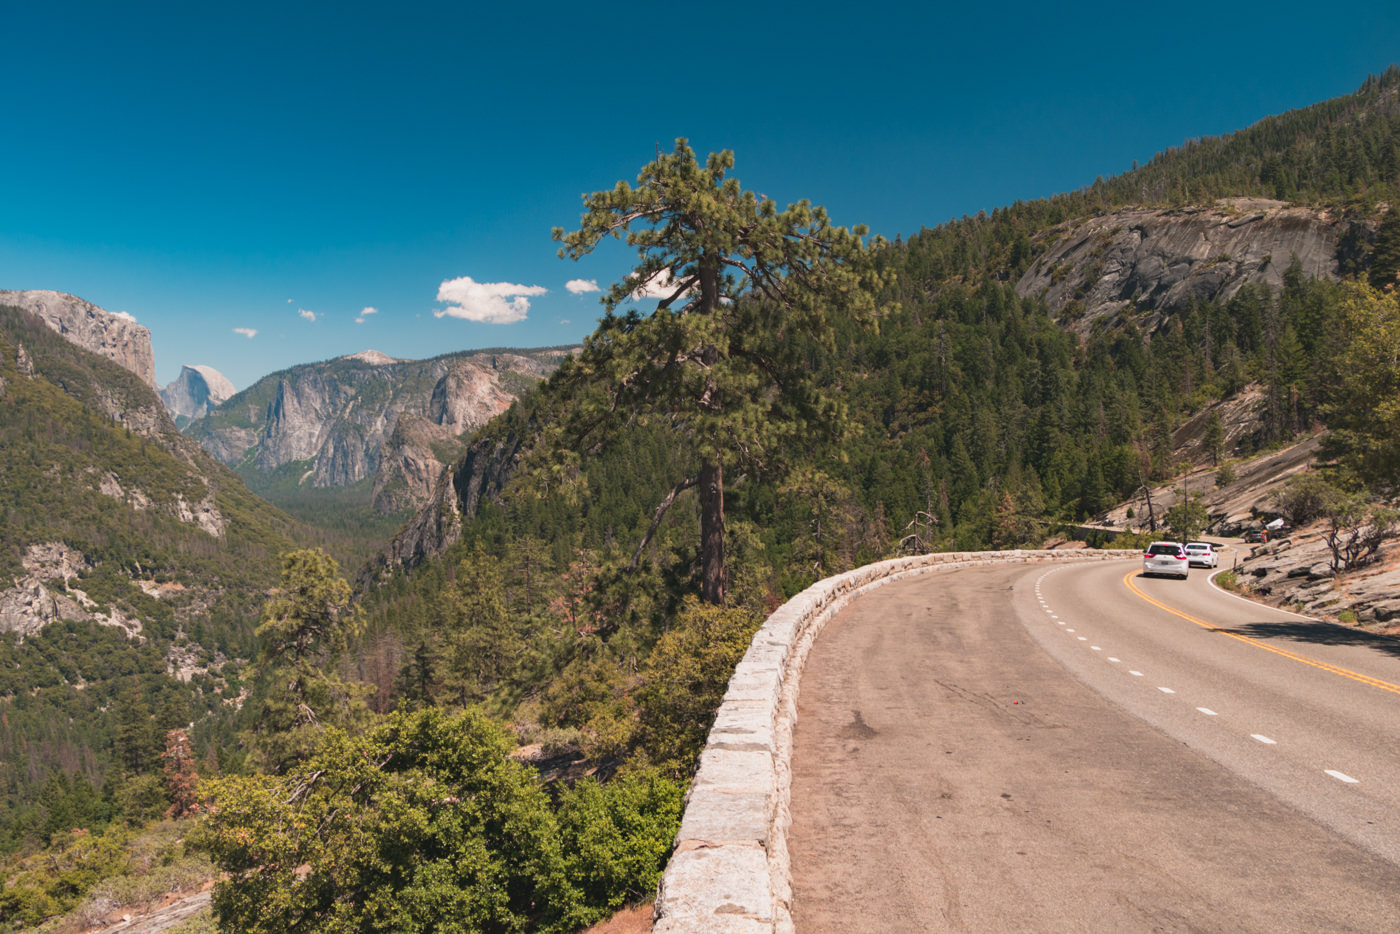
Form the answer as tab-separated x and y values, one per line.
126	556
803	400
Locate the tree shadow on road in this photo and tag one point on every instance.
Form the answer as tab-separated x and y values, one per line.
1316	633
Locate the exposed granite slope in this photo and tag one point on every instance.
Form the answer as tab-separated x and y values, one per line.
1158	260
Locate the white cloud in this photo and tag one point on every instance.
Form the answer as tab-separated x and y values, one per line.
660	285
308	315
580	286
368	310
125	314
246	332
486	302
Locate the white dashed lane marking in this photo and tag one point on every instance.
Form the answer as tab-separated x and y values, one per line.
1258	737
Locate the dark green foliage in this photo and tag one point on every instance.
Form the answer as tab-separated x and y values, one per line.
424	824
304	629
619	835
1187	519
1385	260
1364	408
684	680
740	284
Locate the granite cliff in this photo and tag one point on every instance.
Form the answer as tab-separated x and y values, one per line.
195	391
1157	260
368	417
457	492
117	337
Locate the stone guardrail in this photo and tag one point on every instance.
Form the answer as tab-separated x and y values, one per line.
729	872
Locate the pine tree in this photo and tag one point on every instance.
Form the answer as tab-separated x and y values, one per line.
739	283
304	628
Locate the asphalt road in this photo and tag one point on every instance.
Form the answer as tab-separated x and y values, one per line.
1020	748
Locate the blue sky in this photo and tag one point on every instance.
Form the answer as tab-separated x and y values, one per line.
249	180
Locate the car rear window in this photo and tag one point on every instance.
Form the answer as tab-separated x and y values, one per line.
1163	550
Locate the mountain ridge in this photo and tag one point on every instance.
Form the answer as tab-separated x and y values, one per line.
369	417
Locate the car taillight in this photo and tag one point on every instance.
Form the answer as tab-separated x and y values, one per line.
1148	555
1181	557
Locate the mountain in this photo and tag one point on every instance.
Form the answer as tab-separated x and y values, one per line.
194	392
132	570
114	336
367	418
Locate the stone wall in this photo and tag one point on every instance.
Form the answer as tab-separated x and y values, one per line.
729	873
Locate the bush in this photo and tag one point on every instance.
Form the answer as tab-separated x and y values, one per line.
619	835
423	823
1306	497
684	679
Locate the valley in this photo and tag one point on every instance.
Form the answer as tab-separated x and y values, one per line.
377	637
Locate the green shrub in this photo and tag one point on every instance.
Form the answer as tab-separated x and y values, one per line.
421	823
619	835
684	679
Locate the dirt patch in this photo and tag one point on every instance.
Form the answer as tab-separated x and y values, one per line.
634	920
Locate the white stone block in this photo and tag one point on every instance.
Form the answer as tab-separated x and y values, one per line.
721	889
714	818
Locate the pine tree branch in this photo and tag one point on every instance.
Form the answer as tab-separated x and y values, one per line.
679	488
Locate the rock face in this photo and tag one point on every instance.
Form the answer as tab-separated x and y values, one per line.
45	594
195	391
1160	260
369	416
117	337
480	475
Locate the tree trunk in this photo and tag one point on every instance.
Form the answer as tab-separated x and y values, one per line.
712	582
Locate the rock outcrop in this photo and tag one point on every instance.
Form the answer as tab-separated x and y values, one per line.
117	337
195	391
45	594
1158	260
480	475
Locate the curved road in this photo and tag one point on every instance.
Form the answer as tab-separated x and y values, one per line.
1022	748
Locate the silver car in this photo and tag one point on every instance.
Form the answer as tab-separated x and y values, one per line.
1201	554
1167	558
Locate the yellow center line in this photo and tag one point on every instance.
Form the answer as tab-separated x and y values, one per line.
1344	672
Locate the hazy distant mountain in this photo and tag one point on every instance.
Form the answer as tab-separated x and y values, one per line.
195	391
115	336
367	416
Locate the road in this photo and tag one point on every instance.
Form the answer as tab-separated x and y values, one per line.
1021	748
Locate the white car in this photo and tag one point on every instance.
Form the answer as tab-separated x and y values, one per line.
1201	554
1167	558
